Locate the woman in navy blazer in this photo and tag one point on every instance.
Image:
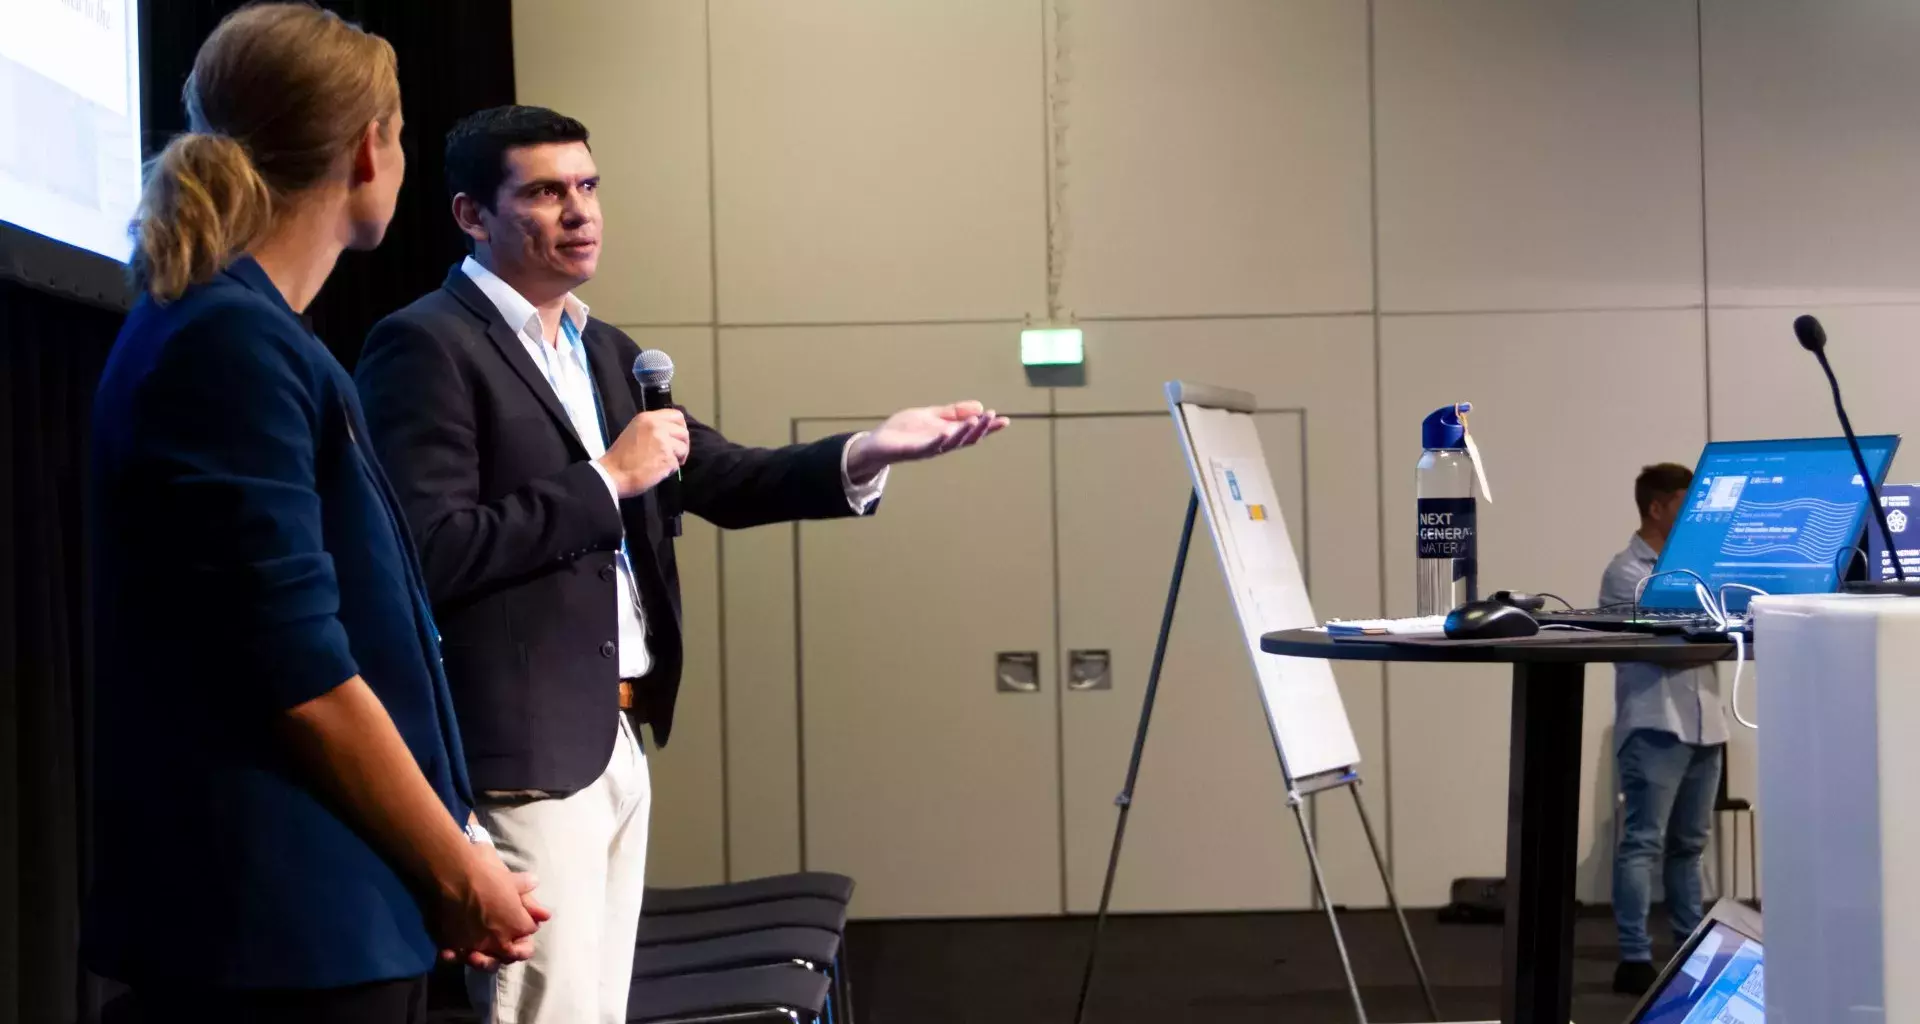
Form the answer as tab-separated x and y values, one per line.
283	805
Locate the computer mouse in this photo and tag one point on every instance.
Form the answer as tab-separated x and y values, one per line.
1489	620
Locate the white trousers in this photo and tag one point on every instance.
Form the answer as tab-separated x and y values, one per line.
589	852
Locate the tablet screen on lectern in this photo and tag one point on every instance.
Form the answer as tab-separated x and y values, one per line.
1721	980
1778	515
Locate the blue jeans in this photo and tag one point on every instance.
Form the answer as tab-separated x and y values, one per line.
1669	789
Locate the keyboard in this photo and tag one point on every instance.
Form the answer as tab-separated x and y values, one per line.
1627	620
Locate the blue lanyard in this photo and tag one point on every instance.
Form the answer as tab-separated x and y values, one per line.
577	348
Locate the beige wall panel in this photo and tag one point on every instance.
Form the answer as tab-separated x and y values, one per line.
878	160
635	72
768	377
925	781
1766	385
1537	154
1812	156
1218	157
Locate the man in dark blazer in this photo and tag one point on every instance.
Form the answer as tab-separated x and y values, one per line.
513	432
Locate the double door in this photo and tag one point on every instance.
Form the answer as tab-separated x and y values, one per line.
972	664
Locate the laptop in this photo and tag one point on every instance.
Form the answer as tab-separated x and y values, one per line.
1719	975
1781	516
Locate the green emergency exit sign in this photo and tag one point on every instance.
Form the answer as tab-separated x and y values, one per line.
1052	346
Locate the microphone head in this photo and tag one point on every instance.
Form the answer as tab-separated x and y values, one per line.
1813	337
653	369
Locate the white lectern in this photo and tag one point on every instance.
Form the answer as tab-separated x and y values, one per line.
1839	717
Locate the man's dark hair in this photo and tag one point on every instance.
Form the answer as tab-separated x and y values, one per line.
1656	482
477	146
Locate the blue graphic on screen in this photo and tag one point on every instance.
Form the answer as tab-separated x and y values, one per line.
1782	516
1723	981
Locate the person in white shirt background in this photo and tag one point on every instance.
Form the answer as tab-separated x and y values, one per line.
1670	736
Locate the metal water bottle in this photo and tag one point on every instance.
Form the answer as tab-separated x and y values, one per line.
1447	568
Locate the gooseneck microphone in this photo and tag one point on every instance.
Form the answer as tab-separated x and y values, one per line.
1813	338
653	369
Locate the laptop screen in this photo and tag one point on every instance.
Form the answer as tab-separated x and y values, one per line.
1779	515
1722	981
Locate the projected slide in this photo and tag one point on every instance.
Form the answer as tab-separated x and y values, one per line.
70	120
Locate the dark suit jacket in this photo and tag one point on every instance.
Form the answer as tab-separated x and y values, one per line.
518	532
249	556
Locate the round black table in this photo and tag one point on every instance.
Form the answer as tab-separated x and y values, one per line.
1543	787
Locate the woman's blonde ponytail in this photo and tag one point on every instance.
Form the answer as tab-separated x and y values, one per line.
279	93
204	201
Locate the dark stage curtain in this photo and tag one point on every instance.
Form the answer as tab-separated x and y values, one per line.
456	56
51	350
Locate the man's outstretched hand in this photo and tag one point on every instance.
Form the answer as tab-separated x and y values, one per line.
922	433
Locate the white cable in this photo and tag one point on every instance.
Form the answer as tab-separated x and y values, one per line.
1732	625
1724	587
1640	589
1713	607
1739	664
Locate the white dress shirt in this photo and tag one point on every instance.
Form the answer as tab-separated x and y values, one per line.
565	368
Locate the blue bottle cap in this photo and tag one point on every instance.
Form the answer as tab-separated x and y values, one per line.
1443	431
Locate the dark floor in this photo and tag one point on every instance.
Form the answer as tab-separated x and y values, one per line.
1217	969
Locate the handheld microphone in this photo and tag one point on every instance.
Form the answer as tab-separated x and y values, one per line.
653	370
1813	338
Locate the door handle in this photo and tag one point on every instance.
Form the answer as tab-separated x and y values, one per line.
1089	670
1016	672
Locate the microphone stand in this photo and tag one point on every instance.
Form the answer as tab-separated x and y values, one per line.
1900	585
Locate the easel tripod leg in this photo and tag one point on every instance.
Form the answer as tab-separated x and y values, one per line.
1393	900
1326	900
1125	799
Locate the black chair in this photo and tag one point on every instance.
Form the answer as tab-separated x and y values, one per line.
820	884
805	947
784	993
737	931
800	912
1735	806
692	899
